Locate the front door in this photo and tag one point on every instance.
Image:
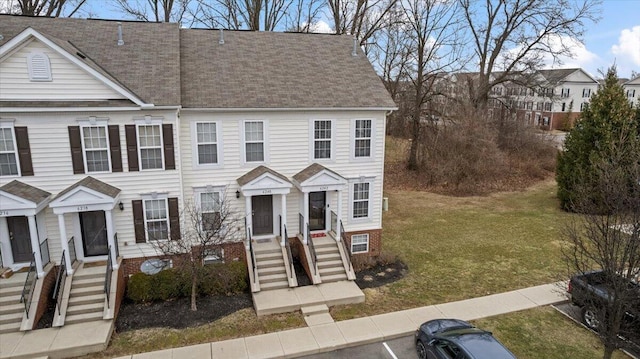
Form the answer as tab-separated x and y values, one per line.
262	215
94	233
317	204
20	238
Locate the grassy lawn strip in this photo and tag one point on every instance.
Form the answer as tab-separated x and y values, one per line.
544	333
464	247
239	324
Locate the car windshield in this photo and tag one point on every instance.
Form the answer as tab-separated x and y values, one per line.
484	346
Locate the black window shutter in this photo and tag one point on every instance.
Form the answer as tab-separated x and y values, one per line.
169	155
138	221
174	218
77	158
114	148
132	147
24	151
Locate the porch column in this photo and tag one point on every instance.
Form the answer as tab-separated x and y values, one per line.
283	208
108	217
305	217
65	244
339	213
35	244
248	217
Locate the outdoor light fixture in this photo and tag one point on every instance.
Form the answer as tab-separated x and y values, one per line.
238	194
121	206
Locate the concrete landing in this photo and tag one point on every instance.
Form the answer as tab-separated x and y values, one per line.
292	299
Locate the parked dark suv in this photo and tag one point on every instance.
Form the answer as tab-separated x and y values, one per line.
457	339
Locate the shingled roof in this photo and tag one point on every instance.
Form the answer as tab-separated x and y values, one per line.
25	191
165	65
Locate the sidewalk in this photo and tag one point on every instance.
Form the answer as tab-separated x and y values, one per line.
330	336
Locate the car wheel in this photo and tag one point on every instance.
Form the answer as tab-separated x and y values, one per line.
421	350
590	318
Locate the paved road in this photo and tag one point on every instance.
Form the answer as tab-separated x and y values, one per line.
402	348
573	312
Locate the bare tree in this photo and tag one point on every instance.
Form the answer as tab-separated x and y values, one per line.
303	15
242	14
511	36
55	8
360	18
154	10
205	227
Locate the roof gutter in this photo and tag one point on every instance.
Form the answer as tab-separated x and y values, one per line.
286	109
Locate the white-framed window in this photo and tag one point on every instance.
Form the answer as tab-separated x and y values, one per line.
150	146
207	144
213	255
586	92
583	106
254	134
565	92
362	139
156	218
539	106
322	132
210	206
9	162
631	93
547	106
361	192
360	243
39	67
95	147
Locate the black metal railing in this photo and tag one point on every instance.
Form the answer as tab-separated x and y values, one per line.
280	224
107	277
44	252
115	241
312	250
61	278
72	250
252	256
301	224
347	252
1	263
334	222
29	284
288	247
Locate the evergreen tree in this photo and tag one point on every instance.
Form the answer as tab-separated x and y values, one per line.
607	129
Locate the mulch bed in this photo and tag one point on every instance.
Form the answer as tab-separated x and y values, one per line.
380	275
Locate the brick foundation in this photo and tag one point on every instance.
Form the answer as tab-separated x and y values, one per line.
47	287
375	242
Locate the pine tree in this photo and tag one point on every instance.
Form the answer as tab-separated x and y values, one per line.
606	129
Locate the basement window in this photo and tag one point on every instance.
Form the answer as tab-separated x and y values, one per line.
359	243
39	67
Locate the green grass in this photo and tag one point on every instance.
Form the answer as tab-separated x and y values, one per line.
544	333
464	247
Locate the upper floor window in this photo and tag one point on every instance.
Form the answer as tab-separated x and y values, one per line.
361	200
150	146
565	92
156	219
586	92
207	142
95	145
362	138
39	67
322	139
9	165
631	93
539	106
547	106
584	106
254	141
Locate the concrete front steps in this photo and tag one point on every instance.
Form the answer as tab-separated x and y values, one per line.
86	299
330	264
11	310
272	273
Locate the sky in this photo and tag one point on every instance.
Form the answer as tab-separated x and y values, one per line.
614	39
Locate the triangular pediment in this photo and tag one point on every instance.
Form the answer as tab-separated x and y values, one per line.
579	76
81	196
635	81
267	181
325	178
10	202
73	76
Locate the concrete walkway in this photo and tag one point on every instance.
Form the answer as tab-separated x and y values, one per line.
330	336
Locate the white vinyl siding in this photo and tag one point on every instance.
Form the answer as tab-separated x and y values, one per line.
9	165
156	219
207	143
150	146
359	243
95	145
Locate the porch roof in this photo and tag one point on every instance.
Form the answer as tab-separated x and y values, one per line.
93	184
25	191
311	171
257	172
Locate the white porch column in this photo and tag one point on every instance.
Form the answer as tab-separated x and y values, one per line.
248	216
283	209
65	245
339	213
108	217
35	244
305	215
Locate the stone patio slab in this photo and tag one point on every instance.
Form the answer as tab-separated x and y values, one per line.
359	331
309	295
298	342
318	319
233	348
393	325
339	293
328	336
422	314
35	342
200	351
264	346
9	342
275	301
546	294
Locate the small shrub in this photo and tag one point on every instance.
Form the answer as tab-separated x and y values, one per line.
361	263
164	285
139	288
